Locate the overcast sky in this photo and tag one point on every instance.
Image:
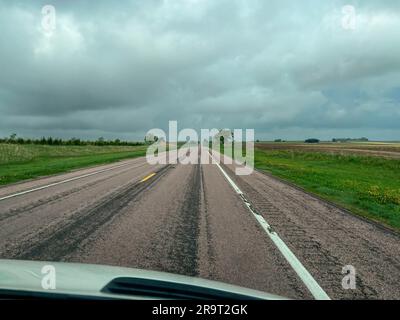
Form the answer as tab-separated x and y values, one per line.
288	69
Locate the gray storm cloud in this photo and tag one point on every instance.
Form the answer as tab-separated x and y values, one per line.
288	69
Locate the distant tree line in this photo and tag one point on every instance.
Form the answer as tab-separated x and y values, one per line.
68	142
349	139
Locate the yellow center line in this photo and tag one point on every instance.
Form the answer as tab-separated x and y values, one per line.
148	177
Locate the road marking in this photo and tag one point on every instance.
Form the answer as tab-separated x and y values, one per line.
61	182
148	177
297	266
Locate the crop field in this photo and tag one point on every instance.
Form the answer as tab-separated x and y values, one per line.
361	177
379	149
20	162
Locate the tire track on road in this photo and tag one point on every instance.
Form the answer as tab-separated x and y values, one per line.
62	196
56	241
180	243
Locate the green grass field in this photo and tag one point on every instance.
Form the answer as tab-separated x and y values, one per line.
367	186
21	162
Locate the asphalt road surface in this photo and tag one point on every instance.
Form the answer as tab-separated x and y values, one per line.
200	220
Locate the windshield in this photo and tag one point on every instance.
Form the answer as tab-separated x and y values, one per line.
252	143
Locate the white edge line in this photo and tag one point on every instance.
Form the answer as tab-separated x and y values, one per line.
61	182
297	266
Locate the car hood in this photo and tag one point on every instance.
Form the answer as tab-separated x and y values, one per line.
87	280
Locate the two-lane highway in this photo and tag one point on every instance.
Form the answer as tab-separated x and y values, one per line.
189	219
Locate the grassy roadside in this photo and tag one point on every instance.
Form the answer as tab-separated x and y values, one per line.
368	186
21	162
